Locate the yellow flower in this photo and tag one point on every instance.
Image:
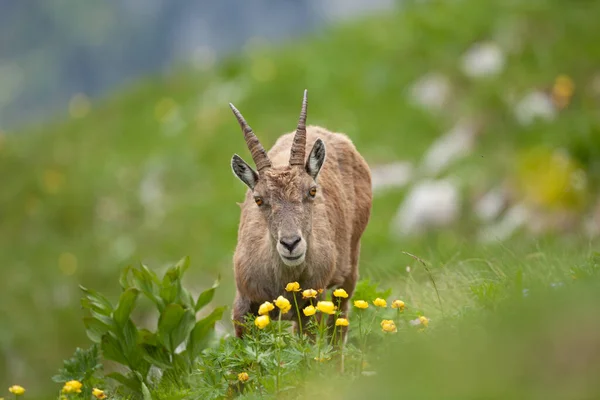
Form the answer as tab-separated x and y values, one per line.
342	322
99	394
380	302
16	390
243	377
360	304
283	304
265	308
262	321
310	310
326	307
340	293
387	325
399	304
424	320
562	90
309	293
72	387
293	287
320	291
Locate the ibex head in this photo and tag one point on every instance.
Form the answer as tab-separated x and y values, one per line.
285	195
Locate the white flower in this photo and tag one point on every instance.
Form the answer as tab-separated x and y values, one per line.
483	59
391	175
431	91
490	205
534	105
429	204
457	143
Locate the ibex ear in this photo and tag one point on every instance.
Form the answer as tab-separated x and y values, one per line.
316	158
242	170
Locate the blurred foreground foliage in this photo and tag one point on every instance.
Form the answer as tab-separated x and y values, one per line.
145	172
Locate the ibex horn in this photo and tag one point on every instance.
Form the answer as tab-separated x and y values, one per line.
299	145
259	155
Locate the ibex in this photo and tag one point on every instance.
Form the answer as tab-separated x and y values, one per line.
302	218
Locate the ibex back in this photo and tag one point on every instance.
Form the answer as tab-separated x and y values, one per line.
302	218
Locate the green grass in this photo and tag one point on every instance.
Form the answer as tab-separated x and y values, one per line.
71	213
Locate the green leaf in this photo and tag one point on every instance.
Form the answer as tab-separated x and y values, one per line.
106	320
131	383
112	349
183	266
146	392
124	277
183	329
202	331
143	282
81	366
186	298
152	350
205	297
168	322
170	287
95	328
157	355
95	299
125	306
130	339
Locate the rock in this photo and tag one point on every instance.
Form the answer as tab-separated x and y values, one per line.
514	218
430	204
483	59
490	205
431	91
392	175
456	143
535	105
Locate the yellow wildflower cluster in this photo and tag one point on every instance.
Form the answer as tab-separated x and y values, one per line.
378	302
387	325
265	308
16	390
562	91
243	377
361	304
398	304
72	387
262	321
293	287
326	307
340	293
283	304
309	311
99	394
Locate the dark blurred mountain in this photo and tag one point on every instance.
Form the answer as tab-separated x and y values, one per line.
53	49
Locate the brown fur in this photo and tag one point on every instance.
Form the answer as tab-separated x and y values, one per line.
332	224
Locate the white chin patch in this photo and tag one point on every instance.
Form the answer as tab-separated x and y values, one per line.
292	262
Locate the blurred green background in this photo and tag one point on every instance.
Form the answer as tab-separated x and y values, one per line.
480	121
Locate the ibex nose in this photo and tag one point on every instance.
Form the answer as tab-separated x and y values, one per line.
290	242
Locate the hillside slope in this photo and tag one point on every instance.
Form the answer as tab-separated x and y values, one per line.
145	175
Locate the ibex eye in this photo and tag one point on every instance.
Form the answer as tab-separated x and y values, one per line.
258	200
312	192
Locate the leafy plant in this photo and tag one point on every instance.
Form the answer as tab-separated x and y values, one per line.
82	367
140	349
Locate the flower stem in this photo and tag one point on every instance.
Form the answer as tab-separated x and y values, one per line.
360	335
337	314
320	335
298	312
278	351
